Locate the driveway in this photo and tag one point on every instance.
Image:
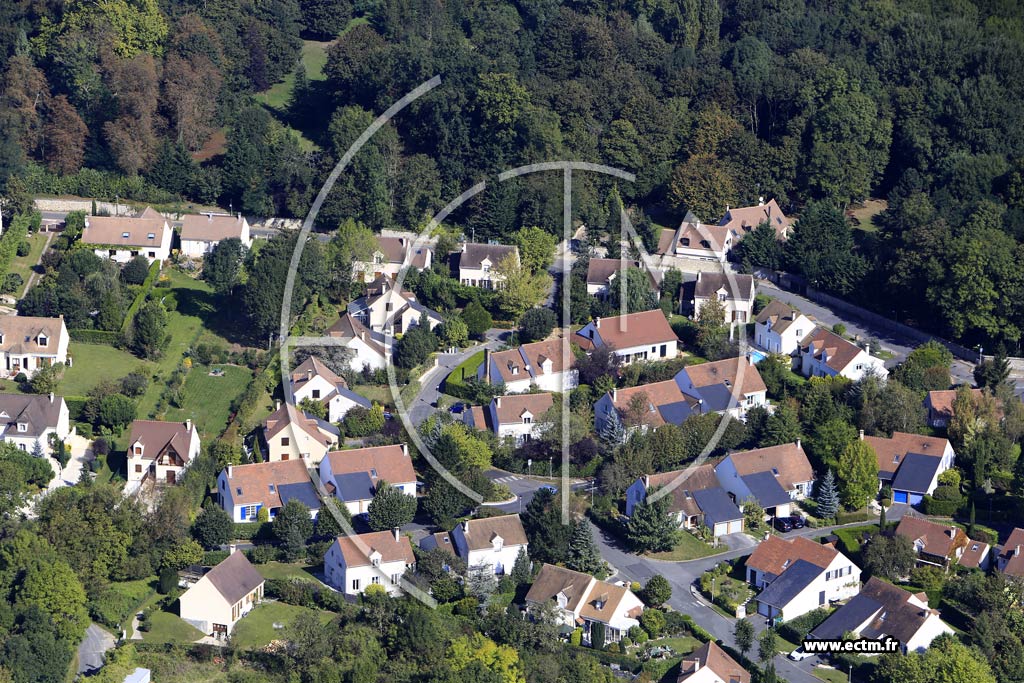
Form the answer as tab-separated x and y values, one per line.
419	408
92	648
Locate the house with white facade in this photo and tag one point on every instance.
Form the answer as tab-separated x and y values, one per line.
122	238
882	609
743	219
636	336
225	594
798	576
1010	560
366	349
161	450
742	473
910	463
731	385
390	256
353	563
539	365
476	263
201	233
696	499
518	416
695	240
825	354
390	310
28	419
291	434
353	475
604	277
711	664
779	328
244	490
315	381
582	600
734	292
28	343
942	545
490	541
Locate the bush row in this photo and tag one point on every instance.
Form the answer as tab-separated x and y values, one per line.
96	337
254	531
154	272
305	594
92	183
10	240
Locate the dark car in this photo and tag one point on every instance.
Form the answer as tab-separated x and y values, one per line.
458	408
783	524
797	521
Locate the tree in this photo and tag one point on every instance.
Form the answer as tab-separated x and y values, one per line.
926	368
703	186
536	248
222	265
444	503
946	660
292	527
657	592
711	330
767	646
390	508
652	528
179	556
65	134
519	289
116	411
476	649
454	332
415	346
549	537
760	249
135	271
536	324
782	426
991	374
521	570
753	514
57	591
47	379
314	407
828	496
478	320
821	248
481	582
326	18
858	474
744	634
149	330
889	557
583	555
213	527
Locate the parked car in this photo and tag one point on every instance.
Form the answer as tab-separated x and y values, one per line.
783	524
800	654
458	408
548	487
797	521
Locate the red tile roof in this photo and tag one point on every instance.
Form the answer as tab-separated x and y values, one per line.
712	657
840	352
260	482
510	408
390	463
357	549
634	329
774	555
1011	554
788	459
940	540
890	452
726	372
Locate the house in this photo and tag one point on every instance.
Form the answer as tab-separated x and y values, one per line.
798	576
494	542
644	407
582	601
732	386
353	563
941	545
391	255
742	220
28	343
243	490
290	434
696	500
201	233
710	664
697	241
779	328
920	477
787	463
603	276
225	594
161	450
123	238
28	419
940	405
478	261
633	337
367	348
353	475
735	292
540	364
439	540
315	381
390	310
518	416
1010	561
882	609
826	354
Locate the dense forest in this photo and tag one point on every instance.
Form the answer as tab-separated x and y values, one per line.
818	104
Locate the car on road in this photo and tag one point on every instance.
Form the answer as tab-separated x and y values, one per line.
783	524
797	521
458	408
548	487
800	654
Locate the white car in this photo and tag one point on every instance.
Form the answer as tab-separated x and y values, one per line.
800	654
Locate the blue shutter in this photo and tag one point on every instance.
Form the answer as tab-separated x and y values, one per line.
243	512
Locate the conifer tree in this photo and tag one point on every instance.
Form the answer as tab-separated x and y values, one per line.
583	555
521	571
828	496
652	527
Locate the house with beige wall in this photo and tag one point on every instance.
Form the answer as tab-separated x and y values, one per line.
225	594
290	433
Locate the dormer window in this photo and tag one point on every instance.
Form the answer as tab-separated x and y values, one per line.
487	267
151	236
895	459
125	235
685	241
44	340
271	487
375	562
705	244
775	471
22	427
373	473
527	420
316	393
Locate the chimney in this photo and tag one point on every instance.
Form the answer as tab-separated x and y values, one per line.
862	435
277	406
615	395
1016	551
405	449
463	247
362	335
465	526
51	397
487	366
798	447
231	470
188	424
309	374
727	208
597	322
497	401
647	481
398	534
232	548
750	356
760	201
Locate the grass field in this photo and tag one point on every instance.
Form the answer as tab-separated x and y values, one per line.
22	265
286	570
314	58
375	393
866	214
829	675
256	629
93	363
208	399
169	628
689	548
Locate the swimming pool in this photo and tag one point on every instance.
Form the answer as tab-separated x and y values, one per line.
757	356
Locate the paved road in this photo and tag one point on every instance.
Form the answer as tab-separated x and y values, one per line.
92	648
962	371
430	383
682	576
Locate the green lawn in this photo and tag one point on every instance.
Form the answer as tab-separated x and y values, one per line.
256	629
169	628
286	570
689	548
681	646
93	363
375	393
138	593
829	675
208	399
314	58
22	265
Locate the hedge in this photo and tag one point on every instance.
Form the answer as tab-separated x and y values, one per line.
89	182
212	558
940	508
75	406
95	337
154	271
795	630
248	531
10	240
855	516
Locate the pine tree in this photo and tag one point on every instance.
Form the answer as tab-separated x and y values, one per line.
881	519
37	449
970	522
481	582
652	527
521	570
583	555
612	434
828	496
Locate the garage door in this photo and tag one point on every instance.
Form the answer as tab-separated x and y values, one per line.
916	498
899	496
721	528
736	526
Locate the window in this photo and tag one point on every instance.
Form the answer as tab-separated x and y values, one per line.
396	579
860	366
285	441
135	252
373	473
111	252
375	562
375	580
799	333
895	459
355	584
138	469
721	297
22	447
316	393
43	340
151	236
125	235
250	511
22	427
750	400
152	254
526	420
487	268
389	307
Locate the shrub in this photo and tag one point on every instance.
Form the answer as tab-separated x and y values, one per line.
576	637
262	554
946	492
950	477
211	558
168	580
12	282
940	508
653	621
795	630
24	248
